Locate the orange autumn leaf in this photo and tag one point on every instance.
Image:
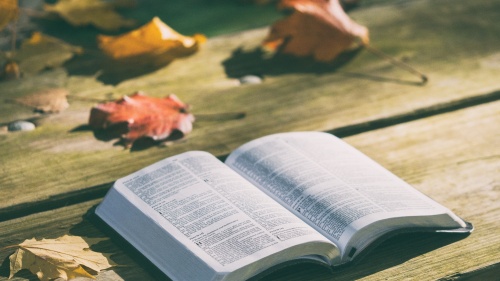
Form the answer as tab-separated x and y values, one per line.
318	28
137	116
153	41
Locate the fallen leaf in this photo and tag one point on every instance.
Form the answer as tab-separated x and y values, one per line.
318	28
46	101
58	258
42	51
138	116
89	12
10	71
8	12
154	42
144	50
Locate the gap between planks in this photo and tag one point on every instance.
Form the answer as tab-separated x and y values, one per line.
98	191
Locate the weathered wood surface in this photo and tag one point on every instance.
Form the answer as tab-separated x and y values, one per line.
454	42
454	158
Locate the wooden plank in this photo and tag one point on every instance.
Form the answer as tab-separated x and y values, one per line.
453	158
296	94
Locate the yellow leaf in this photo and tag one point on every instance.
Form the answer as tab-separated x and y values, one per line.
89	12
57	258
155	40
8	12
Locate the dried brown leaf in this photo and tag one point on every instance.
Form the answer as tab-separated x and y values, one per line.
58	258
89	12
46	101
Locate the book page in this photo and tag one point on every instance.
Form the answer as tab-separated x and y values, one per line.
327	183
215	213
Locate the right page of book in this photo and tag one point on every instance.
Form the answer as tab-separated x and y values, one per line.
336	188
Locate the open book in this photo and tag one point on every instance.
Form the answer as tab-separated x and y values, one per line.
291	197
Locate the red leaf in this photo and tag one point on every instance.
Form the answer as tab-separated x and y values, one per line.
138	116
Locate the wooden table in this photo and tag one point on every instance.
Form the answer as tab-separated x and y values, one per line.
442	137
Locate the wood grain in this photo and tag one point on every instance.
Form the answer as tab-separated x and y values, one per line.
446	39
453	158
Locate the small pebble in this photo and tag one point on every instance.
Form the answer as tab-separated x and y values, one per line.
250	79
21	126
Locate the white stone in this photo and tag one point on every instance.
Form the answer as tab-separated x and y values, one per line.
250	79
21	126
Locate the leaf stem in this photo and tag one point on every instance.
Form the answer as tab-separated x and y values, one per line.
396	62
8	247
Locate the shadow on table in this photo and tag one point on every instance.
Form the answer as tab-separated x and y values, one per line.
392	252
24	273
115	132
259	63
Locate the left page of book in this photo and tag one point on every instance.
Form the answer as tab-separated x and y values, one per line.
202	212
